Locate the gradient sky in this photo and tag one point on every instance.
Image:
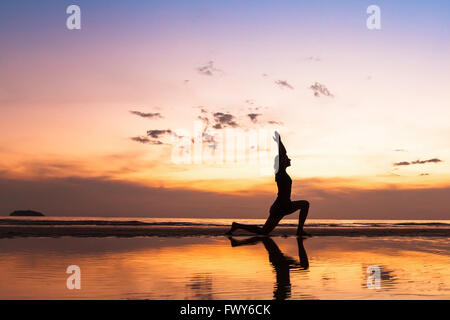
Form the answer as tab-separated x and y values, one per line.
66	97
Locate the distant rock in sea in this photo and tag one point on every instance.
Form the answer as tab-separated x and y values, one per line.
26	213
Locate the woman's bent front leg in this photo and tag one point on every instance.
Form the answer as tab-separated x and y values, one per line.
271	223
303	205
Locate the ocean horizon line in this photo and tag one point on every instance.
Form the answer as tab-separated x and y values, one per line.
11	227
155	221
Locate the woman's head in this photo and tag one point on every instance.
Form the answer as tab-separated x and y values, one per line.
285	161
282	162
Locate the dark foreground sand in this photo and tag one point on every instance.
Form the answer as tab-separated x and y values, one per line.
8	231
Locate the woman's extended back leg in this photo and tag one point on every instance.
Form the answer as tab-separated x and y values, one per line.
249	227
270	224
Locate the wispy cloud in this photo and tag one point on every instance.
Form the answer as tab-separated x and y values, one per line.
275	122
208	69
145	140
224	120
402	163
254	117
284	84
156	134
153	137
320	89
407	163
83	192
149	115
434	160
313	58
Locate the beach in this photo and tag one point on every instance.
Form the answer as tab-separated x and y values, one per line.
147	227
192	259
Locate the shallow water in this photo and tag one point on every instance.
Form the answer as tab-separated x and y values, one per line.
11	227
211	268
206	222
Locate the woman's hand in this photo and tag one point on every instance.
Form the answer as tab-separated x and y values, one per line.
276	137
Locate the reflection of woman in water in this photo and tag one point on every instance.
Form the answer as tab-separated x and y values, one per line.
283	204
281	263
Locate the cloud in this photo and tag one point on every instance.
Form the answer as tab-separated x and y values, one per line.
403	163
220	120
146	115
313	58
284	84
224	120
208	69
152	137
112	197
406	163
158	133
205	119
320	89
48	168
254	116
275	122
145	140
434	160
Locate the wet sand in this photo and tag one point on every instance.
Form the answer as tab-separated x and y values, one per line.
14	230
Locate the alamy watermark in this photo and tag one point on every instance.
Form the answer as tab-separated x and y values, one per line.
74	280
73	22
256	147
374	278
373	22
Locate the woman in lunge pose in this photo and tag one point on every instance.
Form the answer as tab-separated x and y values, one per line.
283	204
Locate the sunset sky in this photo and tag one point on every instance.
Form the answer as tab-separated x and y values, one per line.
88	117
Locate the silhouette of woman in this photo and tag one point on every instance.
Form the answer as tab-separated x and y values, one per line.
283	204
281	263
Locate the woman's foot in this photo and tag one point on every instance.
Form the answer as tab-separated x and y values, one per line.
233	228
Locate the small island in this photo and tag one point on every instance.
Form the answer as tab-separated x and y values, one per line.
26	213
